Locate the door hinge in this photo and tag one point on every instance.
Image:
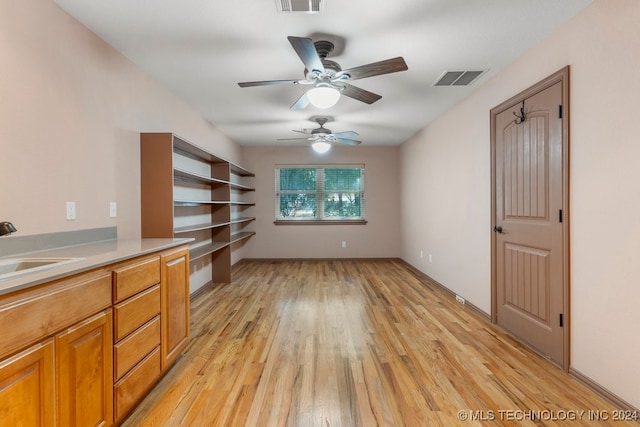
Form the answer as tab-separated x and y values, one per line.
560	215
561	320
559	111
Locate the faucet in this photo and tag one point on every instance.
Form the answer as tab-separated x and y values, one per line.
7	228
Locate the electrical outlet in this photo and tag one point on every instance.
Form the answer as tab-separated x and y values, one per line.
71	211
113	210
460	299
430	258
421	254
344	243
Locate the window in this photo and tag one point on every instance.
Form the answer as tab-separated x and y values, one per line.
320	194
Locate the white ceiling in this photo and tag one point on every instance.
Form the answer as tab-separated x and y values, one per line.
201	49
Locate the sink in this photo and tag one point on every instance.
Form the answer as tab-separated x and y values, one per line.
12	267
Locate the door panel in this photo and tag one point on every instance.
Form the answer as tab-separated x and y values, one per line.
84	372
175	305
529	197
527	281
27	383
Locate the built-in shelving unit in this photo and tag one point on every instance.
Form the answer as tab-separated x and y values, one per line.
187	191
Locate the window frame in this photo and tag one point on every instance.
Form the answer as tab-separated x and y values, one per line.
320	194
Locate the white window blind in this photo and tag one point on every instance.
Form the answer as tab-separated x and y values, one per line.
320	193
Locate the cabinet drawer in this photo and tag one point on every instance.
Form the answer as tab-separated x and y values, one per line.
135	312
132	278
35	314
136	346
132	388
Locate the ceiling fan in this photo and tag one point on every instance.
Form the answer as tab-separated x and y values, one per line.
328	78
322	138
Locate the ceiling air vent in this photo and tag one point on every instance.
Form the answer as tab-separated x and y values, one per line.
309	6
458	78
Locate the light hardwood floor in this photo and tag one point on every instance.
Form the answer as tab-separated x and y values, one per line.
355	343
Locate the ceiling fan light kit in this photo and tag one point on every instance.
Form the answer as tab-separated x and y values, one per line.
321	147
323	96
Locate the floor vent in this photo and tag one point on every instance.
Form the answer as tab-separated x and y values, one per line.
458	78
308	6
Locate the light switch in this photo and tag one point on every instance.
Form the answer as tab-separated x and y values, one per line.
71	211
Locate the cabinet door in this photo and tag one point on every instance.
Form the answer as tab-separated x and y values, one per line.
84	372
27	387
174	315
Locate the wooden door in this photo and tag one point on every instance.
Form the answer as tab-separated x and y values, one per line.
174	314
85	373
27	387
529	220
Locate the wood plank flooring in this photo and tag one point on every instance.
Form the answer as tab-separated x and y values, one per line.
355	343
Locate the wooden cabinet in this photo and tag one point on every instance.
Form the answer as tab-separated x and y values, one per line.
64	375
189	192
151	322
27	387
137	317
84	350
84	372
41	312
174	288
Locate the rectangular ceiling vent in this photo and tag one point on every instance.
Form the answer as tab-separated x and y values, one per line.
458	78
308	6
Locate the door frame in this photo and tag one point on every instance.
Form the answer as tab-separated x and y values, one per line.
561	76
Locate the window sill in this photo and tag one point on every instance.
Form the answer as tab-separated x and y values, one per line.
321	222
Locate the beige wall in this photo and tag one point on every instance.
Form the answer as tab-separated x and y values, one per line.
379	238
71	109
448	165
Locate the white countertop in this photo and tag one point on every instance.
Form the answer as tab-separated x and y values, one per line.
95	255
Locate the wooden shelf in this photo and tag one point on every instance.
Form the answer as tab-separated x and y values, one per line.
197	227
191	150
183	175
242	219
206	226
241	236
240	187
202	251
210	202
200	202
222	196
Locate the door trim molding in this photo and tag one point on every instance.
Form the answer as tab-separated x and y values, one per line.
561	76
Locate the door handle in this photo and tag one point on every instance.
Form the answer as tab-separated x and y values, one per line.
497	229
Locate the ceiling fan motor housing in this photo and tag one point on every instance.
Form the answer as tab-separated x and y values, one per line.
321	130
331	68
324	48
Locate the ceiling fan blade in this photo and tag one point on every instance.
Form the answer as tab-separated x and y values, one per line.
268	83
387	66
301	103
347	134
302	131
359	94
345	141
293	139
307	52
